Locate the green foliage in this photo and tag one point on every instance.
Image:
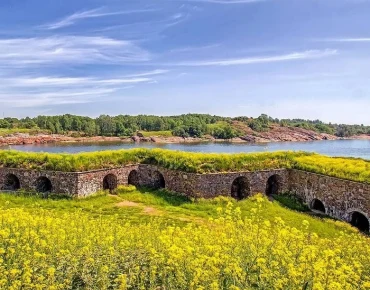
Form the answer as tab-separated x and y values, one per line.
193	125
180	131
191	130
260	124
222	130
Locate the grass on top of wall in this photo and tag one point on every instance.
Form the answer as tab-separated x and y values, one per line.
346	168
177	160
355	169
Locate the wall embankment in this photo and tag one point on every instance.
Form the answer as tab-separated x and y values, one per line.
339	198
61	182
191	184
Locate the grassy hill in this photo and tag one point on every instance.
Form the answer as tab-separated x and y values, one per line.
155	240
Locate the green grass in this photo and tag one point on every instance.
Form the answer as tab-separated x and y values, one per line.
156	133
291	201
176	160
146	204
4	132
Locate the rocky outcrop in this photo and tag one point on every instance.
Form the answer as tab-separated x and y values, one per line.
274	134
22	139
287	134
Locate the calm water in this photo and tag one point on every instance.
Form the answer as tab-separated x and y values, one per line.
353	148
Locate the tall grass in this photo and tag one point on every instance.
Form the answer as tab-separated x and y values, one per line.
347	168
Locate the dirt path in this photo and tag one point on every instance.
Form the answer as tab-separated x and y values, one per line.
146	209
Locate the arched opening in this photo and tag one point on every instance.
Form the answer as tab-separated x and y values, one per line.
317	204
240	188
110	182
158	180
360	221
274	185
43	184
11	183
133	178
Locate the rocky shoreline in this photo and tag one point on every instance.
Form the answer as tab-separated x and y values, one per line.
280	134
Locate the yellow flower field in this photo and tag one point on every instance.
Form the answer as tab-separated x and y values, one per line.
94	244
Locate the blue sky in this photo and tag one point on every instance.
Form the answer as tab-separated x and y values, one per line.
286	58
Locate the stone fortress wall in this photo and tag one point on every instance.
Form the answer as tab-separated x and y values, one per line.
339	198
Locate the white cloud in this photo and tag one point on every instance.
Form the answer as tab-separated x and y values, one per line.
194	48
146	29
94	13
28	91
149	73
365	39
309	54
68	50
38	99
60	81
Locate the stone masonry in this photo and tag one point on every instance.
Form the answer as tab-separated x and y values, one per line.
340	197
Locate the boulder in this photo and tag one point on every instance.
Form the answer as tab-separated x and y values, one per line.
135	138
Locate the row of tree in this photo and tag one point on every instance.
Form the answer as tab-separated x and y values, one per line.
188	125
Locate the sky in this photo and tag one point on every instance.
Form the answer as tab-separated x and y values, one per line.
305	59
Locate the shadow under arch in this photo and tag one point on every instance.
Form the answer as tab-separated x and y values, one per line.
110	182
318	205
158	180
43	184
274	185
133	178
240	188
11	182
360	221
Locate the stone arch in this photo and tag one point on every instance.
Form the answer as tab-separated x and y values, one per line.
274	185
43	184
158	180
360	221
11	182
110	182
318	205
240	188
133	178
